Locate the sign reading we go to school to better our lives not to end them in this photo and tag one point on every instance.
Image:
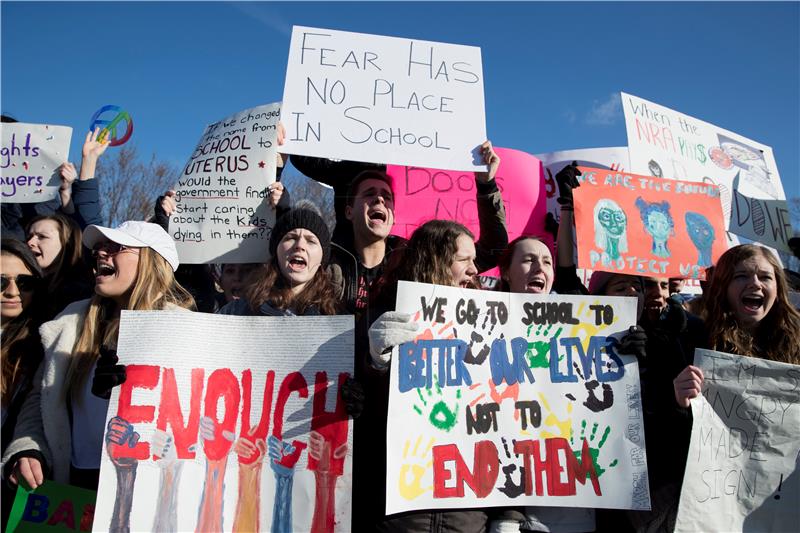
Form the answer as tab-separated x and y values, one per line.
383	99
31	155
512	399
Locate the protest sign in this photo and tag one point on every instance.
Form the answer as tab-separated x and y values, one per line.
668	144
31	155
51	507
513	399
223	213
383	99
641	225
422	194
615	158
743	467
228	423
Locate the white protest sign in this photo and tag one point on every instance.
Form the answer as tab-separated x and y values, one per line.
383	99
742	471
223	215
510	400
31	155
668	144
228	423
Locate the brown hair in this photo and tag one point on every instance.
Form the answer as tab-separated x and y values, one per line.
266	284
777	337
68	264
504	262
21	348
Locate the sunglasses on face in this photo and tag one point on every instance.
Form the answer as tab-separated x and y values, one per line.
110	249
24	282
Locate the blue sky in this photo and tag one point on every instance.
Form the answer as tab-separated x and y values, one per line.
552	71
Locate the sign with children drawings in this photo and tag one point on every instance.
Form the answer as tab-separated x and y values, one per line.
31	155
510	400
228	423
223	213
665	143
647	226
743	468
383	99
421	194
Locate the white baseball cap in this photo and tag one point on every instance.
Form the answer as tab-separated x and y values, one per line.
135	234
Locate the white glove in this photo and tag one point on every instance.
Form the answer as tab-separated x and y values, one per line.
504	526
389	330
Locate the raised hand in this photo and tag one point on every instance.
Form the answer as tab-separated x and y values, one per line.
492	161
688	385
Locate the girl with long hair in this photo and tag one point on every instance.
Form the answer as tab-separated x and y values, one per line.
60	430
21	348
747	312
55	241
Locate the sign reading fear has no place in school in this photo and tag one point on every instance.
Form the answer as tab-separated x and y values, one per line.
513	399
383	99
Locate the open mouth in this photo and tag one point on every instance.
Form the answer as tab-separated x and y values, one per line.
465	284
105	270
752	303
377	216
535	286
297	263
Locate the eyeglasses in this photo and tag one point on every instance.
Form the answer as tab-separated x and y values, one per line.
24	282
111	249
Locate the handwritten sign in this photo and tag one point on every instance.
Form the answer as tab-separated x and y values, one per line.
31	155
668	144
642	225
383	99
422	194
228	423
511	400
51	507
222	214
743	468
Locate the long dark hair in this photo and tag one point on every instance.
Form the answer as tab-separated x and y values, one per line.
266	284
21	347
504	262
68	264
426	258
778	335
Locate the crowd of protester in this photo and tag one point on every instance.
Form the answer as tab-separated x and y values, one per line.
66	278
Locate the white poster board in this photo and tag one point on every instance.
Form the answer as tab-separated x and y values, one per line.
223	215
31	155
742	472
228	423
669	144
481	414
383	99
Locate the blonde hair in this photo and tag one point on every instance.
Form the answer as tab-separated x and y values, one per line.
155	288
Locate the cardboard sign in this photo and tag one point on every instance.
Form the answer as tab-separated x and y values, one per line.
30	158
223	215
647	226
742	472
383	99
51	507
228	423
422	194
668	144
511	400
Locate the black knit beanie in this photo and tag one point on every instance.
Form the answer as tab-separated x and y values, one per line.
306	219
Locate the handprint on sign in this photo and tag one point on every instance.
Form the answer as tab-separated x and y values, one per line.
539	351
439	414
593	451
415	467
563	426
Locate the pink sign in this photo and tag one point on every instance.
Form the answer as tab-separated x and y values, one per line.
422	194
